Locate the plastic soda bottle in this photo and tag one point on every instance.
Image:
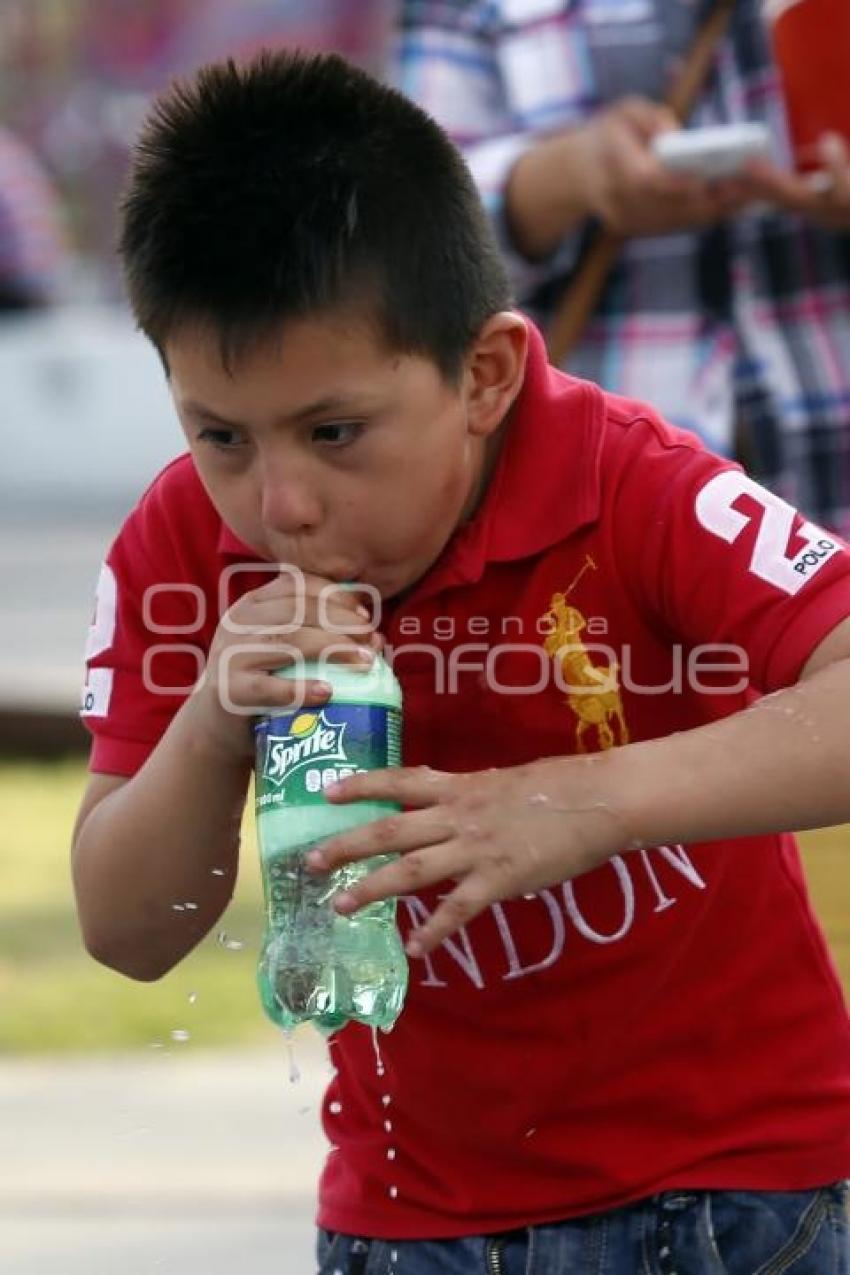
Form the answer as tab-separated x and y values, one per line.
314	963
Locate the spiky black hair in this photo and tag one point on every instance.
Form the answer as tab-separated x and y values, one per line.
295	186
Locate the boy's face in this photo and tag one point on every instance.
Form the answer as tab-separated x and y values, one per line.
326	451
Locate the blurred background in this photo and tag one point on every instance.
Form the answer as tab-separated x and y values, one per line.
143	1128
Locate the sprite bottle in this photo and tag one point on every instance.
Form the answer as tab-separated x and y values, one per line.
316	964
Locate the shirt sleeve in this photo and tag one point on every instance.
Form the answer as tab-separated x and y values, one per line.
717	559
145	652
449	58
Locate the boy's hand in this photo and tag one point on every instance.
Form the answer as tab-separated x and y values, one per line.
291	618
497	833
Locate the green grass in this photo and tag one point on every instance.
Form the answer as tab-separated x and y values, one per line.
54	997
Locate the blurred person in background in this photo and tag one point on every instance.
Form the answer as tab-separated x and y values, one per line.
76	80
32	246
729	305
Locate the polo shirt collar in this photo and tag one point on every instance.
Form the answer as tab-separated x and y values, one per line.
546	481
230	546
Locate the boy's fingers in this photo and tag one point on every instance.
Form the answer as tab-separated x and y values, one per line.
466	901
414	871
262	691
266	654
309	591
396	834
412	786
285	617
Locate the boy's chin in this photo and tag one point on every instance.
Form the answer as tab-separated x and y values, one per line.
394	585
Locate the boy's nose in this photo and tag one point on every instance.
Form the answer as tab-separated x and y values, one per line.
288	506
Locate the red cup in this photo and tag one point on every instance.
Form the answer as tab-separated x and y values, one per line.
811	42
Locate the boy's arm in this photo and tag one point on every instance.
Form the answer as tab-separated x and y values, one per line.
146	847
154	858
780	764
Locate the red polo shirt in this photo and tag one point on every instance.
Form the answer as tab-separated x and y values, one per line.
673	1018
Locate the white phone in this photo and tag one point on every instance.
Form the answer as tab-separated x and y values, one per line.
712	152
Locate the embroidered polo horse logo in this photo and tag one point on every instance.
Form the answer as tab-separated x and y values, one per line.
596	699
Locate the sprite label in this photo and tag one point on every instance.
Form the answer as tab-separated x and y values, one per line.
300	754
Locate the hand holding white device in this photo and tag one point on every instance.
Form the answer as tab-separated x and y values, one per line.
712	153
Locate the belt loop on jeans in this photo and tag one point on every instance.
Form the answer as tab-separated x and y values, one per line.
358	1257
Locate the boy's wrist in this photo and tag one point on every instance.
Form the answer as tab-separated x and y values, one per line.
602	784
213	731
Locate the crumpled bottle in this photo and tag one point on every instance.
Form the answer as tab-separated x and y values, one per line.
316	965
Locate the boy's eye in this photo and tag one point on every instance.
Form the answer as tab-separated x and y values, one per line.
337	433
224	439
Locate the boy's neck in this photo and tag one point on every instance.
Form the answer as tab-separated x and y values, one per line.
492	452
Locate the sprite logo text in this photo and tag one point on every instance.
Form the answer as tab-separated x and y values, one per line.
312	738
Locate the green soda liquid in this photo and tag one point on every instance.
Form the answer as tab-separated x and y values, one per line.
316	965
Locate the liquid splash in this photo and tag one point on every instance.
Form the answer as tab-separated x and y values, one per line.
231	945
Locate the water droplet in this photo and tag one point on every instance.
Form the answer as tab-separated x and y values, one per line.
193	996
388	1125
218	872
386	1099
191	907
390	1153
335	1108
529	896
295	1074
177	907
393	1192
180	1035
394	1255
232	945
379	1062
530	1132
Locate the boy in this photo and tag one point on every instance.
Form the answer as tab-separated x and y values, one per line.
624	1047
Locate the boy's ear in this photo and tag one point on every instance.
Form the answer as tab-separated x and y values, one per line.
494	371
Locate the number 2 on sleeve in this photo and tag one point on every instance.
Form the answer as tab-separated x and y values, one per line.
102	631
771	558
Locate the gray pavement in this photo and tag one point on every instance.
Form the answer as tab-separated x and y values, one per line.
174	1161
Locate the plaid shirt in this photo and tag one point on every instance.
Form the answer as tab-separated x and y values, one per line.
31	242
748	322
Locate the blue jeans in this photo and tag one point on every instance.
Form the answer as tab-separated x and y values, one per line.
676	1233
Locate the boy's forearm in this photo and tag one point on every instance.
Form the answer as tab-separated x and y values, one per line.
781	764
155	862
